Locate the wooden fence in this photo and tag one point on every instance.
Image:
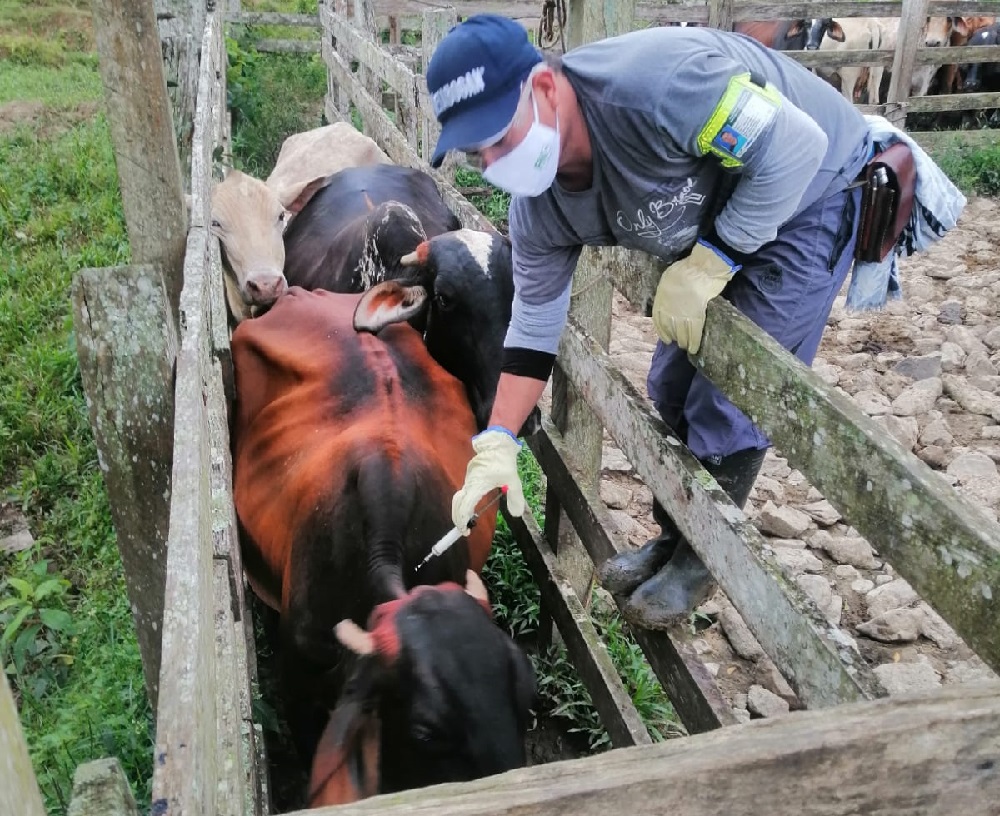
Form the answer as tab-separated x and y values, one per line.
936	753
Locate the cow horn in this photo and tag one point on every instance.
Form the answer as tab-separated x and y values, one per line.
418	257
475	587
354	637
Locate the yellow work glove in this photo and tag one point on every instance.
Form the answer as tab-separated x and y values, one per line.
494	465
684	291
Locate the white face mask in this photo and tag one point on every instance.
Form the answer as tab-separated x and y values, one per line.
530	168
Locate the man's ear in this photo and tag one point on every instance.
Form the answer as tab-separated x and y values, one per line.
543	85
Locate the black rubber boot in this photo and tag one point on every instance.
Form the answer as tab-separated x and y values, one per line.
671	594
622	573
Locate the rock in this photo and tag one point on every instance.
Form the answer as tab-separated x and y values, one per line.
623	523
855	362
934	455
964	337
936	628
872	403
846	549
952	357
883	579
904	429
971	466
770	678
903	678
614	460
830	374
738	634
818	588
775	466
991	432
615	495
919	398
845	571
894	594
797	561
740	700
937	433
945	272
970	398
969	671
984	490
16	542
701	646
978	364
919	368
741	715
713	669
992	339
950	312
893	385
895	626
783	522
822	512
813	495
765	703
862	586
767	488
788	543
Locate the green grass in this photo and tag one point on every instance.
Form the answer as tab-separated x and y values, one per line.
68	644
976	170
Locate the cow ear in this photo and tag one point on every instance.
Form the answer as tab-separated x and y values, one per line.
294	197
958	24
387	303
836	32
476	588
795	28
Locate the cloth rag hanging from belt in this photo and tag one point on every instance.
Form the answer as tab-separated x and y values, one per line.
937	204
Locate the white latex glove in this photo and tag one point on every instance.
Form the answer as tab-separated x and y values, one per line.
683	293
494	465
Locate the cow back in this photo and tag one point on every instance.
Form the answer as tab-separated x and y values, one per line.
315	400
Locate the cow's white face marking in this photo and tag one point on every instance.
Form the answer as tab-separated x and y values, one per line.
479	244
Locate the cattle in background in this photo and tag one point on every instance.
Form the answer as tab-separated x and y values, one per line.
983	76
249	216
781	35
848	34
951	77
349	441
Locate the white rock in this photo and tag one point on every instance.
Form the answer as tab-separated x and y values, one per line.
964	337
775	466
894	626
937	433
830	374
862	586
16	542
952	357
978	364
740	700
971	466
934	455
765	703
883	579
903	678
851	550
936	628
818	588
903	428
796	561
894	594
919	398
713	669
873	403
784	522
788	543
944	271
991	432
701	646
813	495
983	490
737	633
741	715
614	460
767	488
971	398
969	671
992	338
822	512
845	571
615	495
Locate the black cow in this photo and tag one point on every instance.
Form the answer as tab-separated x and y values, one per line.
983	76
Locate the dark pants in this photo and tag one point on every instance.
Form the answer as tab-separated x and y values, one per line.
787	288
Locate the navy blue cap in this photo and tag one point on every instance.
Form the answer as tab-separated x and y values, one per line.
474	80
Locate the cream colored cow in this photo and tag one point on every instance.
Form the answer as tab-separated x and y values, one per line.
249	216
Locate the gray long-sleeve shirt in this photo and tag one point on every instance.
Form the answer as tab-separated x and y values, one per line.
683	140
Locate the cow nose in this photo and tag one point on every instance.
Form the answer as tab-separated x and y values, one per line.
264	289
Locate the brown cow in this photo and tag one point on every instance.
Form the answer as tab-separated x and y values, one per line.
781	35
349	441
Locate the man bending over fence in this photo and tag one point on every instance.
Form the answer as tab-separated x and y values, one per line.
727	160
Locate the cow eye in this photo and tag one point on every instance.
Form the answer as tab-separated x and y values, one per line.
442	301
281	217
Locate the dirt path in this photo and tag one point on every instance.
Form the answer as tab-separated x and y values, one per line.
903	366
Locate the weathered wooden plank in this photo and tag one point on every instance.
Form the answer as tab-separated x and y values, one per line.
354	46
273	18
99	789
809	652
911	28
126	345
933	754
230	791
388	137
938	540
952	102
924	56
142	131
587	651
288	46
720	14
695	696
19	791
434	24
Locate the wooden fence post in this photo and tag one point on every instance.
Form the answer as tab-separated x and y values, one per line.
364	23
18	786
139	116
101	789
126	345
588	20
911	27
720	14
180	24
434	24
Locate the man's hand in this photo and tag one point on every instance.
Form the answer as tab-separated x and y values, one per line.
684	291
494	465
